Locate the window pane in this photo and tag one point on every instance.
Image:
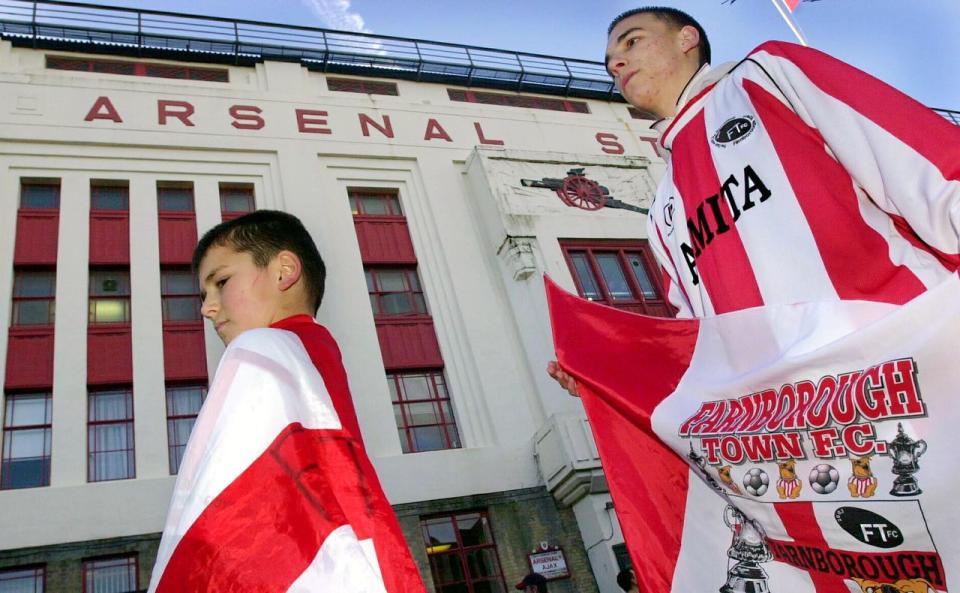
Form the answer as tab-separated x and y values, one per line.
428	438
640	273
33	312
446	568
419	305
175	199
482	563
34	284
28	580
25	473
110	405
398	303
473	530
109	197
109	310
25	444
392	386
488	587
236	199
111	576
422	413
613	276
392	281
27	410
416	387
181	308
404	440
40	196
109	283
185	401
439	531
582	269
374	205
179	282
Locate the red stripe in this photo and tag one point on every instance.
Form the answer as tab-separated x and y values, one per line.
724	269
856	256
949	261
932	136
648	481
234	545
801	524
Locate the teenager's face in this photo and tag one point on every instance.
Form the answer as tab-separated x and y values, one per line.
646	59
237	295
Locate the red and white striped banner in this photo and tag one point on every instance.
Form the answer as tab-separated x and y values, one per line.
799	448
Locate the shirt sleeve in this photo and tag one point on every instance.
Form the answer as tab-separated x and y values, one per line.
901	153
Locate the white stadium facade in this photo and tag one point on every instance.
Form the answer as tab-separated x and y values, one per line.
428	175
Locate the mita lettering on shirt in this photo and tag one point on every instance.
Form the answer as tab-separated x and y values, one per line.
836	413
710	221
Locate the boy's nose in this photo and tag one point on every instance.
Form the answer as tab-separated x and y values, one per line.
208	308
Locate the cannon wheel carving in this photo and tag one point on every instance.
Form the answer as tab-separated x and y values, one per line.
580	192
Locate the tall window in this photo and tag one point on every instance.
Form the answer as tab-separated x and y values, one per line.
33	297
183	405
236	199
110	443
109	296
395	291
421	407
621	274
22	579
180	295
110	575
27	424
109	196
40	195
463	556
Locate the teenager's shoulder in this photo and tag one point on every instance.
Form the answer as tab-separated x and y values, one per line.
267	341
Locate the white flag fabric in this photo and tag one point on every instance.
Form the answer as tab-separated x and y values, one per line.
784	449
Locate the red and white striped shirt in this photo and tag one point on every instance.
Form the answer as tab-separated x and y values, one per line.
796	177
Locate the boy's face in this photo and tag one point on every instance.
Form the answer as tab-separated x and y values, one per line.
237	295
645	57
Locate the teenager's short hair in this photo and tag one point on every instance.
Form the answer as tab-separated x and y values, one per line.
677	18
625	579
263	234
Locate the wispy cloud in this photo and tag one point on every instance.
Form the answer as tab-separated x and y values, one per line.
336	14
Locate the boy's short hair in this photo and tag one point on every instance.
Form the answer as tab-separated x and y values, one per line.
263	234
675	17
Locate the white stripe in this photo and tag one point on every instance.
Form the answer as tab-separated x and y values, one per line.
342	564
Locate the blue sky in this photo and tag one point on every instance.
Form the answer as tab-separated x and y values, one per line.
912	44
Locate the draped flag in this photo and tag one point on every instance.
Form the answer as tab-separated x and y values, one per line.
275	492
784	449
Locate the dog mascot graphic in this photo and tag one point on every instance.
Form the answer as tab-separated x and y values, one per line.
901	586
789	485
727	480
862	483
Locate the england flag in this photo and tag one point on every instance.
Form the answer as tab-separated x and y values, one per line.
799	448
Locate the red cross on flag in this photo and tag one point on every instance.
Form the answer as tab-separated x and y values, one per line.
791	4
802	448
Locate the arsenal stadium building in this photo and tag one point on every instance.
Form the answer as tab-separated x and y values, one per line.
440	182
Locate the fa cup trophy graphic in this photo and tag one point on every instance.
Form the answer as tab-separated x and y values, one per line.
905	452
748	550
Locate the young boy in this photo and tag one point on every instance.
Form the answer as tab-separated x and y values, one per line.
275	492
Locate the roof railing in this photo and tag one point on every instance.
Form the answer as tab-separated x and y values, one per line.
64	25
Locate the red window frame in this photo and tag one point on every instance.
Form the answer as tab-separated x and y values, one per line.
231	192
10	428
443	422
176	419
649	302
93	426
523	101
17	573
129	561
123	297
168	295
39	183
413	289
390	202
99	187
17	300
126	68
369	87
457	553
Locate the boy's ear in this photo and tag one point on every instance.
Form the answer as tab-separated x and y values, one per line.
288	269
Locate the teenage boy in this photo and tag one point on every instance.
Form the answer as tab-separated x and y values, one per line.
275	491
791	176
